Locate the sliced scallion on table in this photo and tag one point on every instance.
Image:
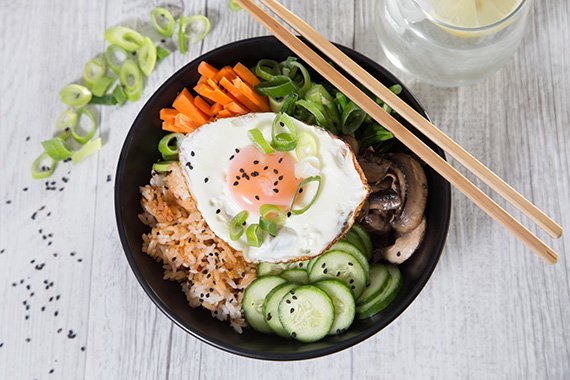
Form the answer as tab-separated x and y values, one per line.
40	171
163	21
237	225
66	119
193	29
101	85
94	70
146	56
91	147
119	95
233	5
131	78
125	38
115	56
161	53
75	95
56	149
82	139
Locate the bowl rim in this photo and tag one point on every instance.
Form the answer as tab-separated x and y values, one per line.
166	310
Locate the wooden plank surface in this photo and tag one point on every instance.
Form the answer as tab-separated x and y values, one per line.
490	310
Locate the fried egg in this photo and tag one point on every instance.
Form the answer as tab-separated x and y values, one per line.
227	174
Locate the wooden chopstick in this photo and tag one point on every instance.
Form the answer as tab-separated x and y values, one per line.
400	132
423	125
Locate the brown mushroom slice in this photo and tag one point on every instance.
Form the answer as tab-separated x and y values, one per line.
413	190
404	246
384	200
376	222
351	141
374	172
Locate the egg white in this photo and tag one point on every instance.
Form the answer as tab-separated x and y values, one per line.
205	157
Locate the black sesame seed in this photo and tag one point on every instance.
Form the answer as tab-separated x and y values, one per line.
237	150
83	348
192	153
289	214
232	157
325	271
300	190
8	202
268	316
236	183
280	178
275	183
351	281
294	334
398	253
291	310
255	162
218	211
294	297
337	274
204	271
280	160
351	264
288	301
353	287
275	171
25	189
275	191
324	265
206	180
241	170
265	167
257	197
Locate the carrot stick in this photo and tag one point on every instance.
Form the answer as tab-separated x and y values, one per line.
184	103
236	108
224	113
245	74
184	123
202	105
207	70
257	99
216	107
225	72
168	114
213	95
233	91
169	126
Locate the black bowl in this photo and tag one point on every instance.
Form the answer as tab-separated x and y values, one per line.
140	152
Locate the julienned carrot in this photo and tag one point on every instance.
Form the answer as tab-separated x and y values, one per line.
236	108
216	107
245	74
224	113
225	72
184	123
213	95
168	114
207	70
169	126
257	99
202	105
232	90
184	103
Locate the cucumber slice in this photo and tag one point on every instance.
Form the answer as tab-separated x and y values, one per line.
311	263
353	238
271	308
347	247
299	264
382	300
296	276
341	266
264	269
343	302
361	232
253	299
379	278
307	313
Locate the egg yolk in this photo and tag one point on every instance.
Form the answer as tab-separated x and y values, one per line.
256	178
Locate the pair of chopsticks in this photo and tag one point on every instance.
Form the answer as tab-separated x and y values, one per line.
403	134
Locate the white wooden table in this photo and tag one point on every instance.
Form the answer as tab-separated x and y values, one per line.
490	310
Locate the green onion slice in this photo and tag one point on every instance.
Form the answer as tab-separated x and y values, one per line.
396	89
146	56
283	141
236	225
119	95
233	5
82	139
304	83
86	150
161	53
56	149
131	78
100	87
373	135
115	56
75	95
162	166
169	144
318	112
255	235
259	141
193	28
125	38
40	171
278	86
342	101
66	119
352	118
163	21
94	70
266	69
271	219
105	100
303	183
306	146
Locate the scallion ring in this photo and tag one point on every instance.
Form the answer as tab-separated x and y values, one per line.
271	218
187	30
91	147
283	141
259	141
278	86
255	235
82	139
125	38
163	166
267	69
101	85
40	171
317	111
352	118
56	149
115	57
396	89
169	144
307	180
131	78
306	146
94	70
163	21
75	95
146	56
304	84
237	223
233	5
119	95
66	119
161	53
342	101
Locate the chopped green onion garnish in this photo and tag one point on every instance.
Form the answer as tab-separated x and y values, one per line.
317	111
125	38
86	150
255	235
352	118
169	144
115	56
193	28
40	171
283	141
163	166
146	55
396	89
269	227
105	100
163	21
119	95
182	40
233	5
266	69
342	101
236	225
306	146
307	180
132	80
66	119
271	219
278	86
94	70
82	139
259	141
101	85
161	53
75	95
305	82
56	149
374	134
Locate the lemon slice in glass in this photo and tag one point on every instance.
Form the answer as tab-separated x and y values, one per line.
470	14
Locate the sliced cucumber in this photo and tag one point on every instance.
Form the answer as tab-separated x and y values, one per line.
379	278
264	269
353	238
347	247
382	300
271	308
342	266
311	263
364	237
299	264
296	276
307	313
253	299
343	302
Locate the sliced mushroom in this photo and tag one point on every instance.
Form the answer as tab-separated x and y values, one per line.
404	246
351	141
373	171
384	200
413	191
376	222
